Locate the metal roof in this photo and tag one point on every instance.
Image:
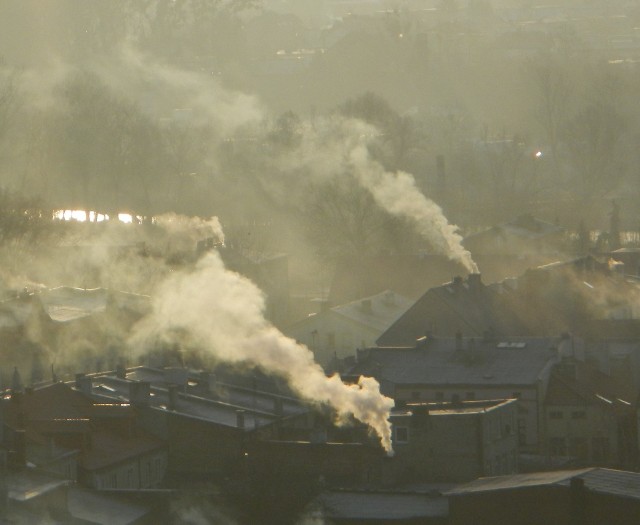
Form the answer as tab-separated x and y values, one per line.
601	480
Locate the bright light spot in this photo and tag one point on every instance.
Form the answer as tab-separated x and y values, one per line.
538	154
75	215
125	217
401	35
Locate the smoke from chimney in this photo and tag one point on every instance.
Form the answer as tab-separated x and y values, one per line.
223	312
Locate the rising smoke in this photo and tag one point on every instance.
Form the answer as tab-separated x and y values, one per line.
223	313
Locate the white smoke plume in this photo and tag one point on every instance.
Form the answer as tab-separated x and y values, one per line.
339	145
223	312
182	229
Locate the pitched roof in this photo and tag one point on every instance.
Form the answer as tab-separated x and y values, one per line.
516	361
472	306
601	480
586	385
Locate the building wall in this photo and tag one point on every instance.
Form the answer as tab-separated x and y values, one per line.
513	507
529	408
589	433
328	334
143	472
456	447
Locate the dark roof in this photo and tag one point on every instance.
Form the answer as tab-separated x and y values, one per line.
513	361
465	305
578	384
601	480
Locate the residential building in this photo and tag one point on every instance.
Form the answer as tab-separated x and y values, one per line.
593	496
440	369
61	431
335	333
589	417
454	441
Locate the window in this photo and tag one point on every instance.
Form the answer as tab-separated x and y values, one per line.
401	434
578	414
470	396
557	446
556	414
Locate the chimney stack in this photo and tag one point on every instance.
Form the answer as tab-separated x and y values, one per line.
240	419
475	281
84	384
121	371
139	393
173	397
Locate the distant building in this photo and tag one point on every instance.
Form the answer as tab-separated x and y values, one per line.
589	417
336	332
61	431
454	441
459	368
461	306
593	496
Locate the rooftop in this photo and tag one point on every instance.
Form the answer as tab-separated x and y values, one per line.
464	362
601	480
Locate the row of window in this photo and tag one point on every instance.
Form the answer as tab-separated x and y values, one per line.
579	447
575	414
440	396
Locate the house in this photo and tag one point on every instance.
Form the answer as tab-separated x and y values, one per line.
206	422
70	323
440	369
589	416
551	299
461	306
59	430
454	441
593	496
336	332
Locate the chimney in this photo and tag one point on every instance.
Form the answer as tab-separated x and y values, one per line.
84	384
240	419
173	397
458	341
121	371
18	457
208	381
139	393
366	306
475	282
16	381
